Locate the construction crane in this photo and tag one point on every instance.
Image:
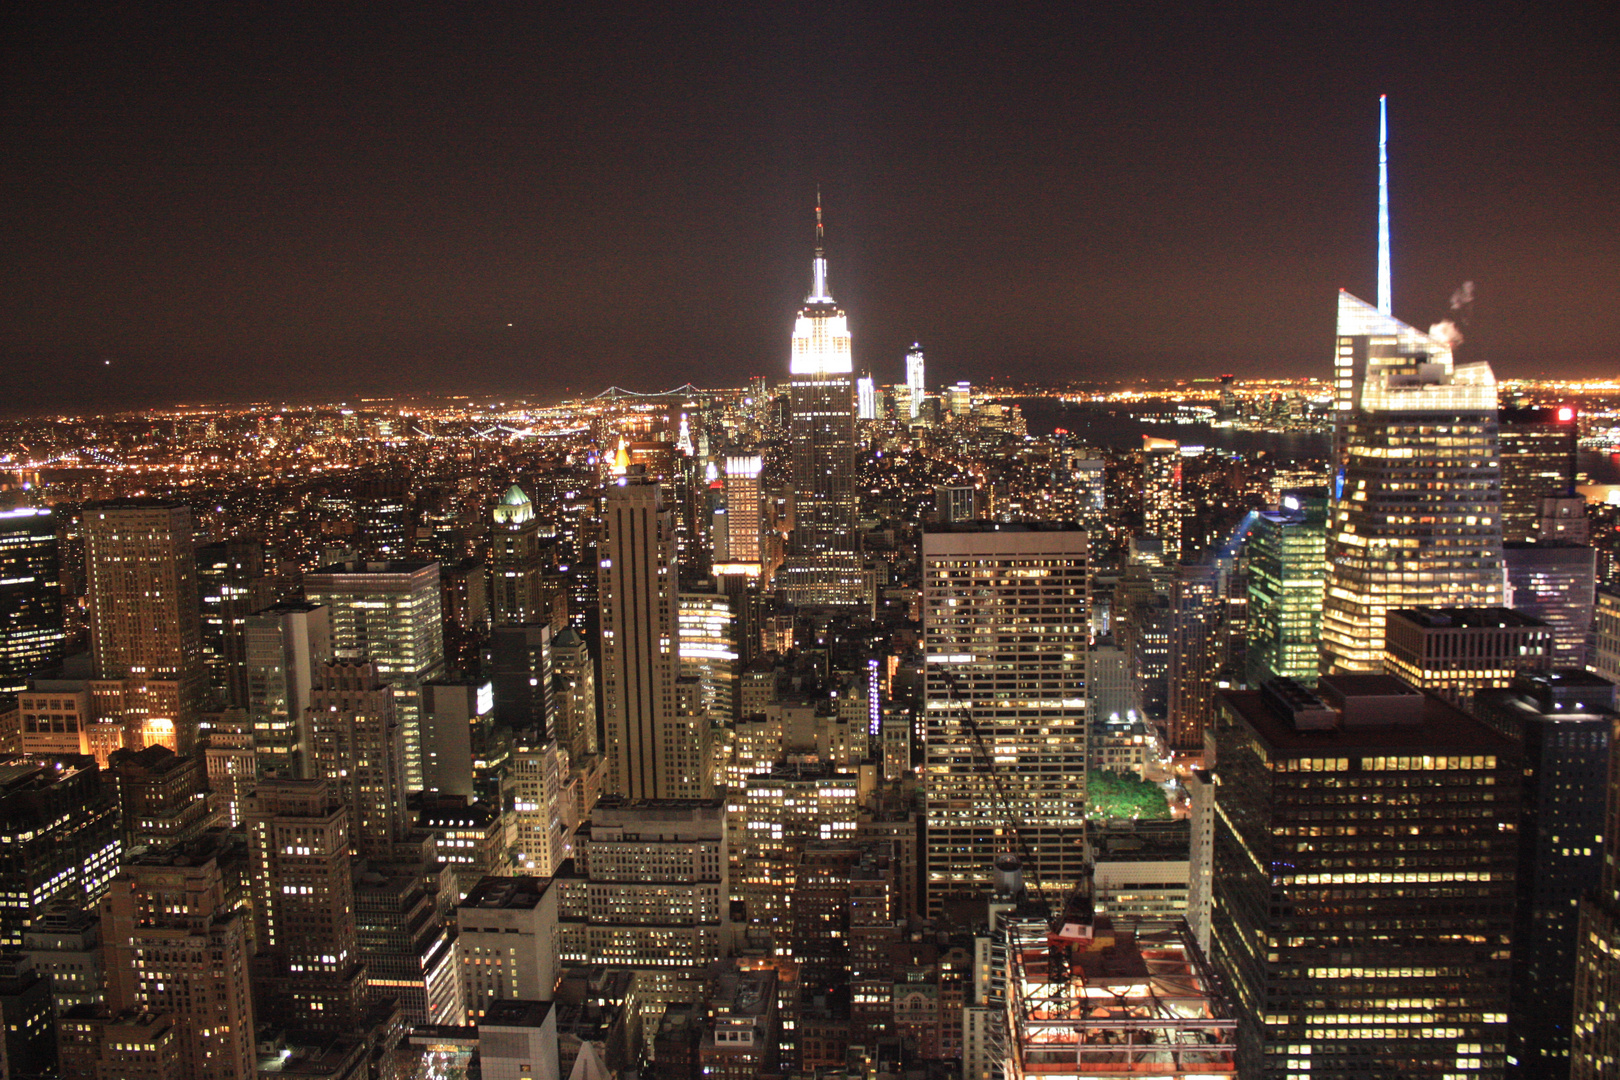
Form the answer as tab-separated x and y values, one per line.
1009	820
1074	919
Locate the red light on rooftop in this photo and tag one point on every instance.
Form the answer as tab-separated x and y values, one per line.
1566	414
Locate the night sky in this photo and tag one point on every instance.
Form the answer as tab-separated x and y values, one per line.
236	201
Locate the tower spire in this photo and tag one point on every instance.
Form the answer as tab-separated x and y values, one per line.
818	269
1385	303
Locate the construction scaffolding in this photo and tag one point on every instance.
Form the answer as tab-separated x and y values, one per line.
1129	1000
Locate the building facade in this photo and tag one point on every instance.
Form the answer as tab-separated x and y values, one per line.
1417	502
1338	922
1005	631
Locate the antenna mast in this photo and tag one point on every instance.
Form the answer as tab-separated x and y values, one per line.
1385	304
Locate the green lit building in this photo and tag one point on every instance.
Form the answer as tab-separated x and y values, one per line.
1287	562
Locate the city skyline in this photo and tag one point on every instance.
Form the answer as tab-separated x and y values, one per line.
211	211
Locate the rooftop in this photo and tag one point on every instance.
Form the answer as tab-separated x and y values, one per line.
1462	618
1437	727
515	1012
506	893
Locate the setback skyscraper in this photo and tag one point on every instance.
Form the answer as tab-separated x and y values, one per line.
822	429
145	618
1416	515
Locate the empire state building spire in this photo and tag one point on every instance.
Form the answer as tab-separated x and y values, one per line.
818	272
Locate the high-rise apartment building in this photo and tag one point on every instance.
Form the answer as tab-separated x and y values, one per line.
358	747
31	632
145	617
1006	622
640	649
516	565
390	614
283	648
1538	462
307	972
916	387
59	829
1416	511
1353	942
176	947
1287	564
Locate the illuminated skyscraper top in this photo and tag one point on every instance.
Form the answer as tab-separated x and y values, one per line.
821	342
821	428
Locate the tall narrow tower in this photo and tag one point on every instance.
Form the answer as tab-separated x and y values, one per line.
515	565
915	386
646	738
823	421
1416	518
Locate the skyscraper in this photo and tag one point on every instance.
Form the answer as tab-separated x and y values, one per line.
308	975
822	421
1416	512
388	613
915	386
145	621
1286	569
1005	626
1538	462
232	585
59	830
31	632
1563	720
1161	493
1196	609
640	643
516	567
176	946
358	747
284	645
1416	517
1353	944
866	398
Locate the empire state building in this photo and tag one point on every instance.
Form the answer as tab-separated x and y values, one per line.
822	568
